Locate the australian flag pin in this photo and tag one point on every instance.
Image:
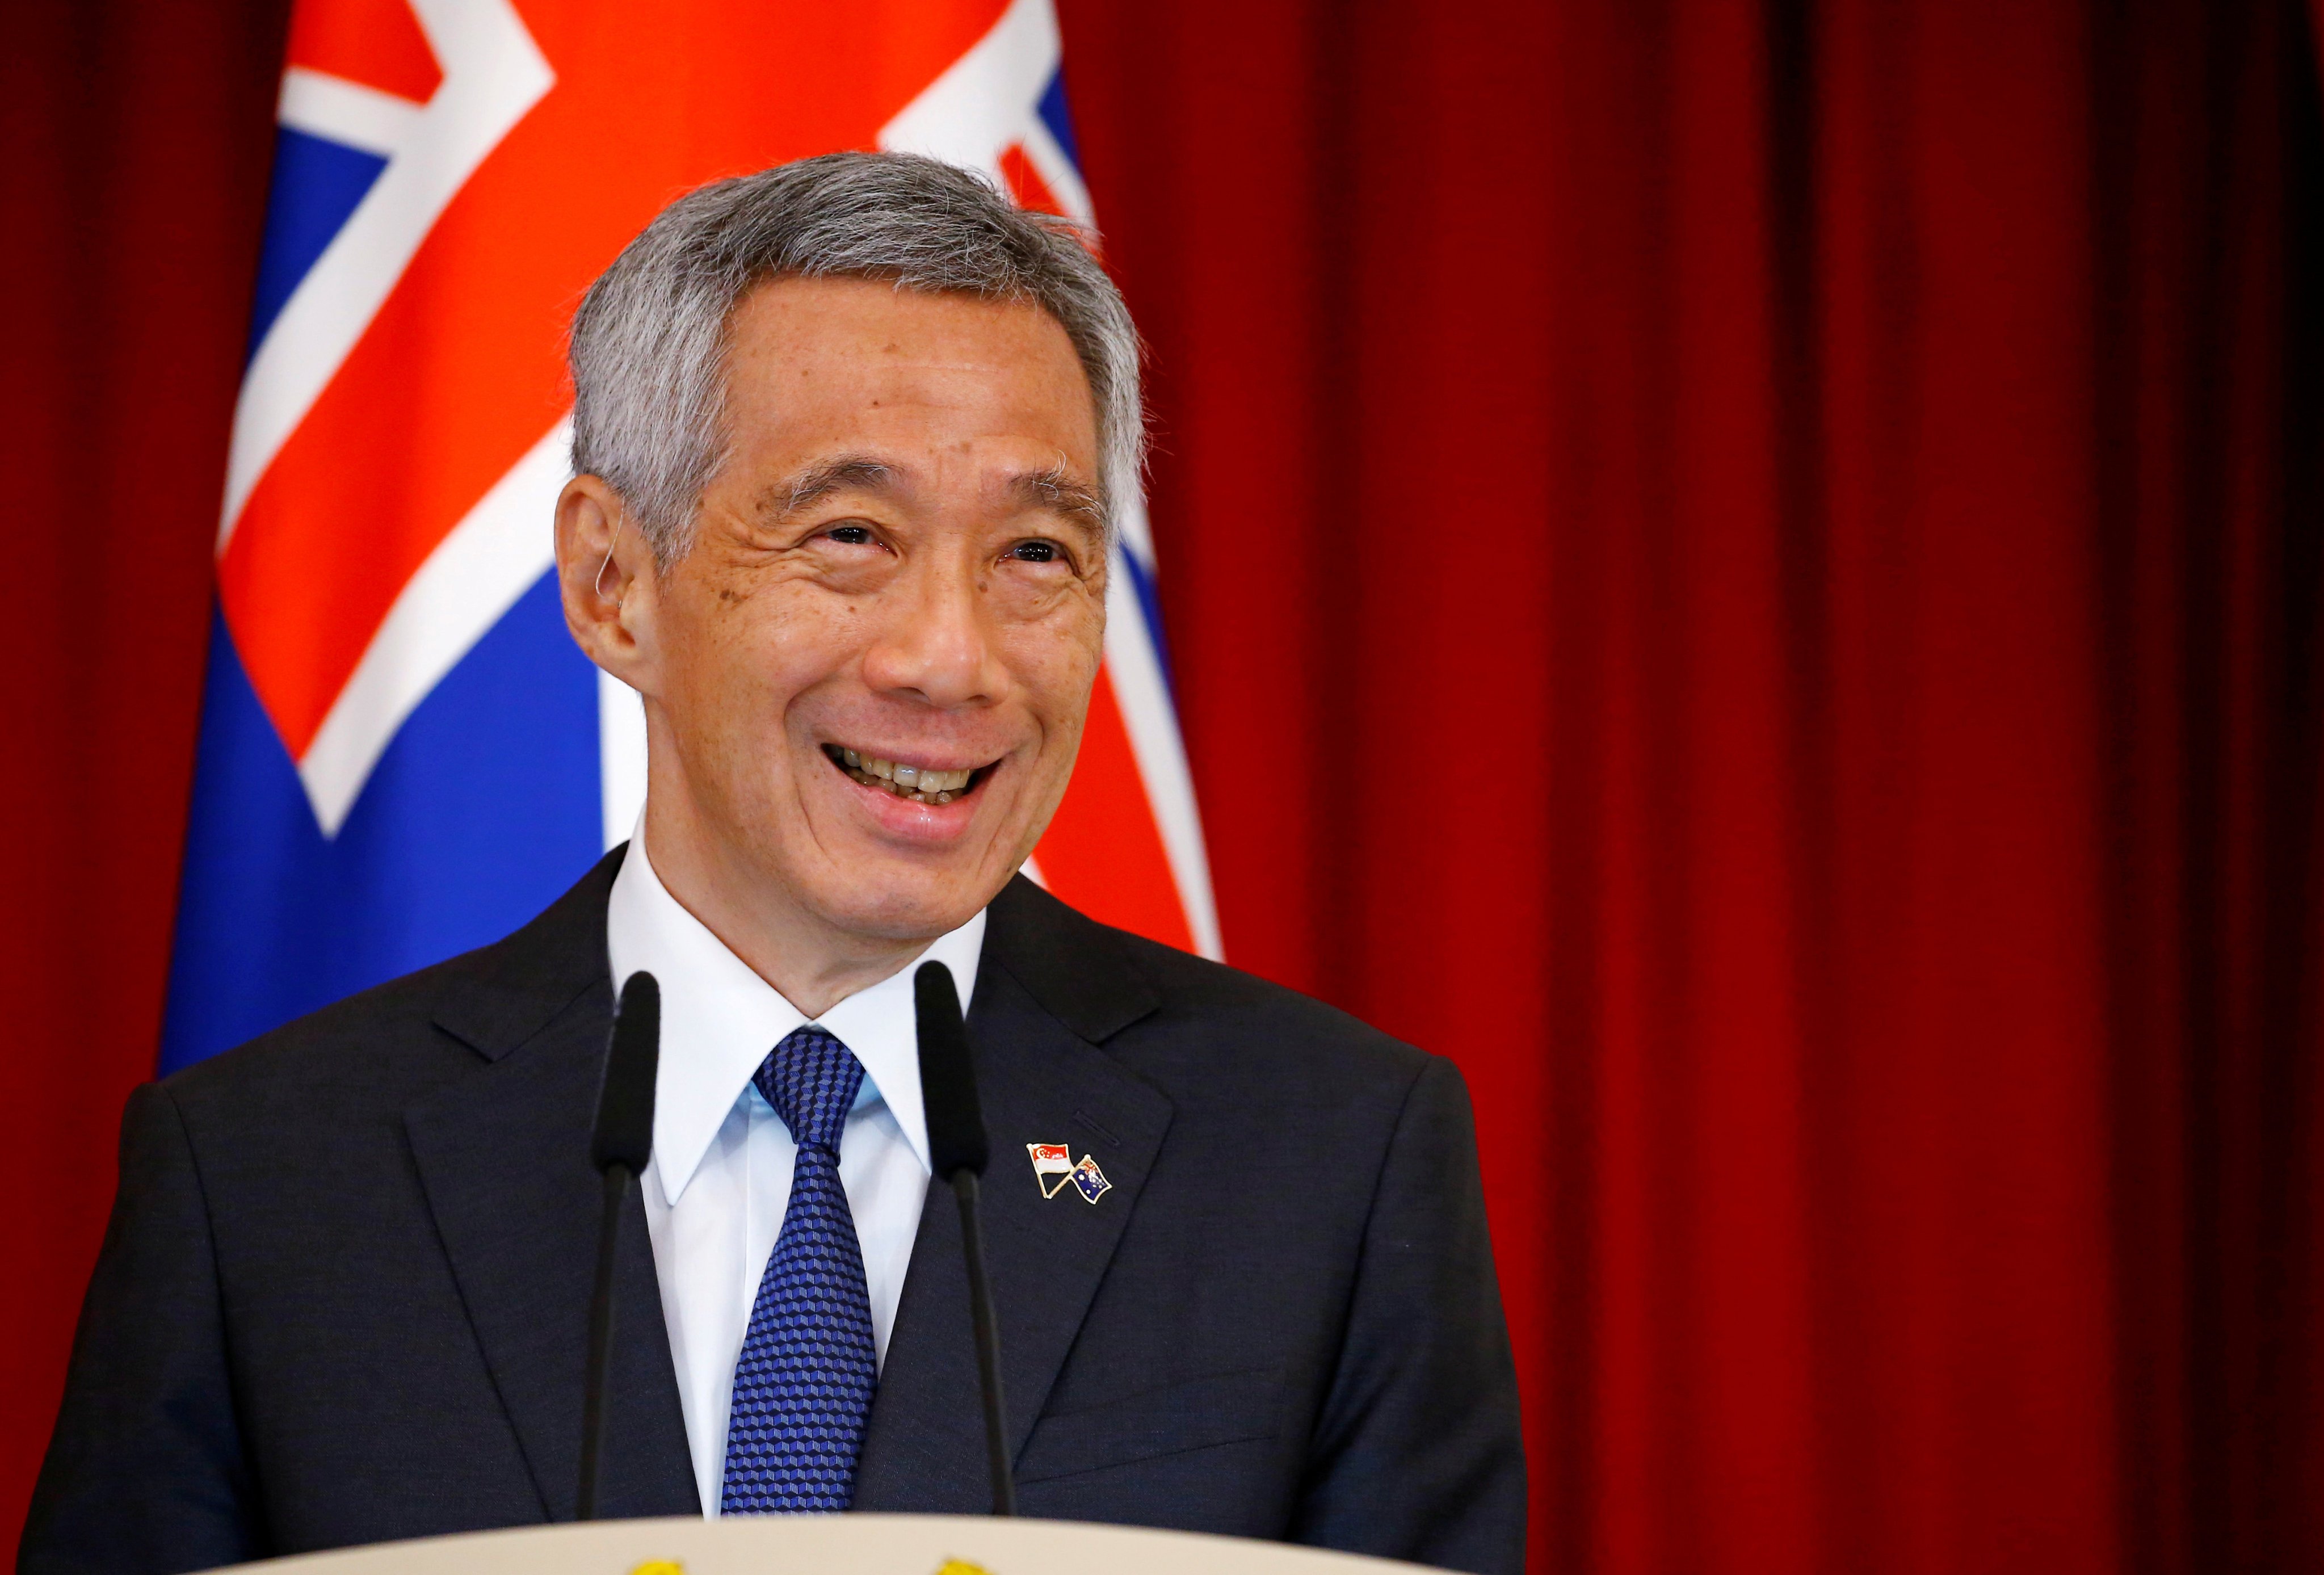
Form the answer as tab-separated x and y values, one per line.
1089	1180
1053	1166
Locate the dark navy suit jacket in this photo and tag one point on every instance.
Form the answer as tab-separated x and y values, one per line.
343	1297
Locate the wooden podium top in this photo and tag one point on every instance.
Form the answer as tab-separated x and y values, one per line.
839	1544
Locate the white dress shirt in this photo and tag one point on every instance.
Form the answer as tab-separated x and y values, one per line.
720	1176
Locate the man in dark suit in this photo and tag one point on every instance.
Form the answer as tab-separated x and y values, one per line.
849	436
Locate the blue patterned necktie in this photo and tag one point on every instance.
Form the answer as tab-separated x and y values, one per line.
803	1384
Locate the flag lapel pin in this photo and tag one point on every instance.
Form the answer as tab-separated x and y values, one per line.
1053	1166
1089	1180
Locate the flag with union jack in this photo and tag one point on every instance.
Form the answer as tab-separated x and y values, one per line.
402	755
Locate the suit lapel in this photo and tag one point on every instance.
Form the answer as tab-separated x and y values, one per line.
504	1157
1051	987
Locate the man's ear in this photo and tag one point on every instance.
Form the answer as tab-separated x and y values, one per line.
607	579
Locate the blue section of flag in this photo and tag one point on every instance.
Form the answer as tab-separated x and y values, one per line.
1090	1181
1150	603
484	807
317	184
1057	117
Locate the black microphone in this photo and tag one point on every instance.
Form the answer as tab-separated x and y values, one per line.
619	1148
958	1151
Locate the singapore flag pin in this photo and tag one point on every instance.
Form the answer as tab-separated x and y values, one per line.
1053	1166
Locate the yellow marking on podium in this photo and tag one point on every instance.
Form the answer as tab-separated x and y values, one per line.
660	1567
961	1567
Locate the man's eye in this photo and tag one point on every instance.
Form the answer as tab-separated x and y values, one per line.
850	535
1035	552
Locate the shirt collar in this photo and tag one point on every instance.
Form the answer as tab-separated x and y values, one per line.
719	1018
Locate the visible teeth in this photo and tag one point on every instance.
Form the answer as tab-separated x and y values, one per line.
920	784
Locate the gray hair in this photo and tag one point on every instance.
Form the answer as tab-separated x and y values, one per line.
649	343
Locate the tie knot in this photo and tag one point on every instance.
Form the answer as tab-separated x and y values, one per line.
811	1079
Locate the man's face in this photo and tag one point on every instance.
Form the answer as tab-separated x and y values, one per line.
899	577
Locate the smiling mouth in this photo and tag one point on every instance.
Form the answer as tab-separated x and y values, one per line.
912	783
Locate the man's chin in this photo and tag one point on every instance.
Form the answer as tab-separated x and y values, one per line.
902	906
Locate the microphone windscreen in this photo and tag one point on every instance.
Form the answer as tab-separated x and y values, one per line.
626	1104
957	1139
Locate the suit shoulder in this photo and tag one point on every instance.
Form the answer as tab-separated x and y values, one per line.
1217	1035
1245	1007
1248	1065
370	1023
1159	1005
413	1026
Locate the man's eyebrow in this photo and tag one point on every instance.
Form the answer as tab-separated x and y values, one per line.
1054	490
851	472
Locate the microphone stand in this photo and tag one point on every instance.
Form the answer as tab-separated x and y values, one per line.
619	1147
618	1183
958	1151
988	1342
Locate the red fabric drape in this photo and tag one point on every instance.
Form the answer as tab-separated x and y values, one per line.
1747	570
134	144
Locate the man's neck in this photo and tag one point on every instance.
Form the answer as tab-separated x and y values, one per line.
809	963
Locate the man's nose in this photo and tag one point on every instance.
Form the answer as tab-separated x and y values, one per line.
935	644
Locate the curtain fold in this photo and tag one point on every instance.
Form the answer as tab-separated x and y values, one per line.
1749	571
133	148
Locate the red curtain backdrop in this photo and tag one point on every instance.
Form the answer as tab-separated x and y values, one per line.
134	140
1750	571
